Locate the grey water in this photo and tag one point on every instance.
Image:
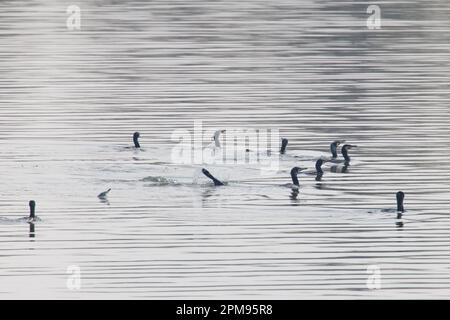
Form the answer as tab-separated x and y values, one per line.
70	101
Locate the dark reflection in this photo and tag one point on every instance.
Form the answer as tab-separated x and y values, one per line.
31	230
399	224
208	193
294	197
105	201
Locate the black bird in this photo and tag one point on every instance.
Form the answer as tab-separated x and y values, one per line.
104	194
209	175
136	136
31	230
32	205
284	143
333	148
318	166
344	151
400	197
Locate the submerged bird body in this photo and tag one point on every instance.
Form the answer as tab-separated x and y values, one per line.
210	176
400	197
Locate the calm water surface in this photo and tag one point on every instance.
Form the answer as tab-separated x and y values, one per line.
70	101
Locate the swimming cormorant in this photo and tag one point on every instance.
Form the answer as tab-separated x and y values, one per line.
333	148
284	143
104	194
294	173
216	137
318	166
209	175
136	136
400	197
345	149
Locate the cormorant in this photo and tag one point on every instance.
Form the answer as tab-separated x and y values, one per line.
294	173
209	175
136	136
104	194
217	136
284	143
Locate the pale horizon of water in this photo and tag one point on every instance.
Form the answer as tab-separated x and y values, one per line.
71	100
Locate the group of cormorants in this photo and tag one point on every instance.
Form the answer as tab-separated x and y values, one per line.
294	171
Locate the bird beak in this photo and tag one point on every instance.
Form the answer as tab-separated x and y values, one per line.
223	131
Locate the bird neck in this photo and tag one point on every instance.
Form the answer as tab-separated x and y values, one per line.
32	213
400	207
216	140
283	146
333	148
216	181
319	168
294	178
136	142
345	154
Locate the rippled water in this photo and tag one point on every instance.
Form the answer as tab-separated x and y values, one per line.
70	101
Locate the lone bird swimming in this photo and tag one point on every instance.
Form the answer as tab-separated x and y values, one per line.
217	182
333	147
400	208
136	136
284	143
32	205
104	194
318	166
